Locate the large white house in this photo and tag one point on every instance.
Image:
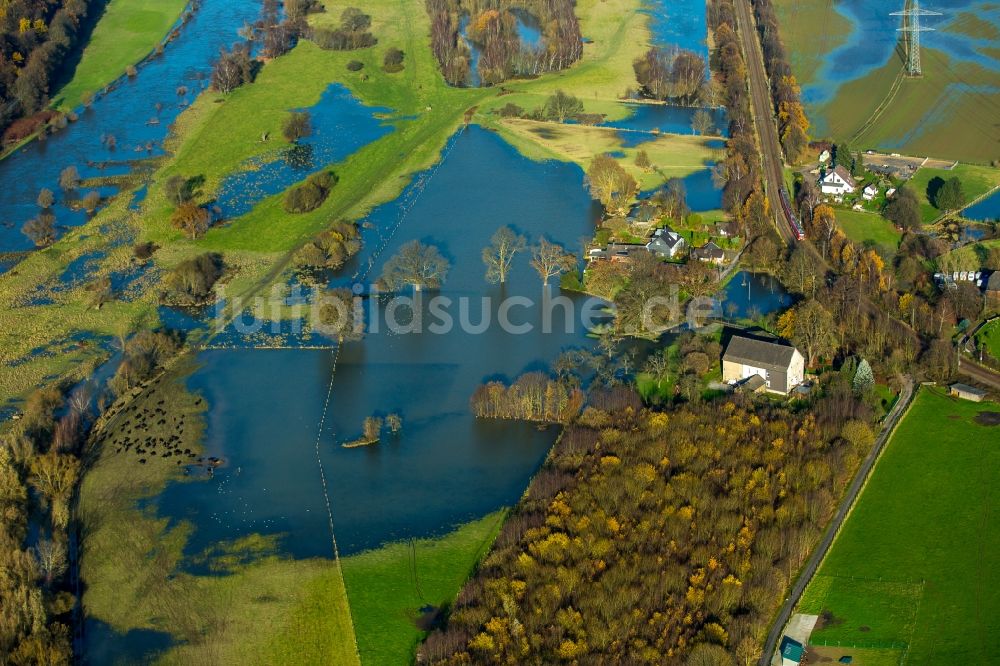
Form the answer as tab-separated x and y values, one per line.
837	181
782	367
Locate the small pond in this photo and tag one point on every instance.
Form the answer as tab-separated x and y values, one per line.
751	295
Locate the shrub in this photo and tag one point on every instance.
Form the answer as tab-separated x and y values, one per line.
191	281
355	66
144	250
311	194
331	248
393	60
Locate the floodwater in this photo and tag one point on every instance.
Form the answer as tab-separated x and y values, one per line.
873	38
127	113
751	295
341	125
986	210
445	467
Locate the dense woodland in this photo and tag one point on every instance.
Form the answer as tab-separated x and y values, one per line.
492	27
651	536
35	38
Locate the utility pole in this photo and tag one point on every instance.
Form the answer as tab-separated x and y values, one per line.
912	29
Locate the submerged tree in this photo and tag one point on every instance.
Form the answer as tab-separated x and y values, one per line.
500	253
338	316
416	264
550	260
297	125
41	229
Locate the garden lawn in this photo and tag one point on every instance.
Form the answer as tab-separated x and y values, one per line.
915	562
389	586
128	31
869	229
976	181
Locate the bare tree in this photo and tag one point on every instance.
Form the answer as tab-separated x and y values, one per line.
52	560
416	264
499	254
550	260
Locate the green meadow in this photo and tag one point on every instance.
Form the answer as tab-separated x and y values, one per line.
912	567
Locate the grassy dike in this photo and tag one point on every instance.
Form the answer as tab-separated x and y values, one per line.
128	31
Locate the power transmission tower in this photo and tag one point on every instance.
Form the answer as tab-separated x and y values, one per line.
912	28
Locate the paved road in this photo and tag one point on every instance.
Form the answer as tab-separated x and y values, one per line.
888	425
978	372
763	114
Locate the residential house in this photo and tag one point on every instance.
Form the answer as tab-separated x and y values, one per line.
889	192
966	392
666	243
791	651
837	181
726	229
781	366
870	192
709	252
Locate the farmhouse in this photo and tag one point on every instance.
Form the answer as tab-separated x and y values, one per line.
966	392
781	366
837	181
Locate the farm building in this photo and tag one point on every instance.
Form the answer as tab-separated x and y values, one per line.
966	392
837	181
781	366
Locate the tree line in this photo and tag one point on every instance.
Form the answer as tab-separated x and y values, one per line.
35	38
492	27
786	94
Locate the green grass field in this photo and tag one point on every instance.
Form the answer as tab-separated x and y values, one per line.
869	229
976	181
389	586
989	338
912	565
128	31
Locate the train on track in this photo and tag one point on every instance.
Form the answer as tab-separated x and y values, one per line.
793	219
